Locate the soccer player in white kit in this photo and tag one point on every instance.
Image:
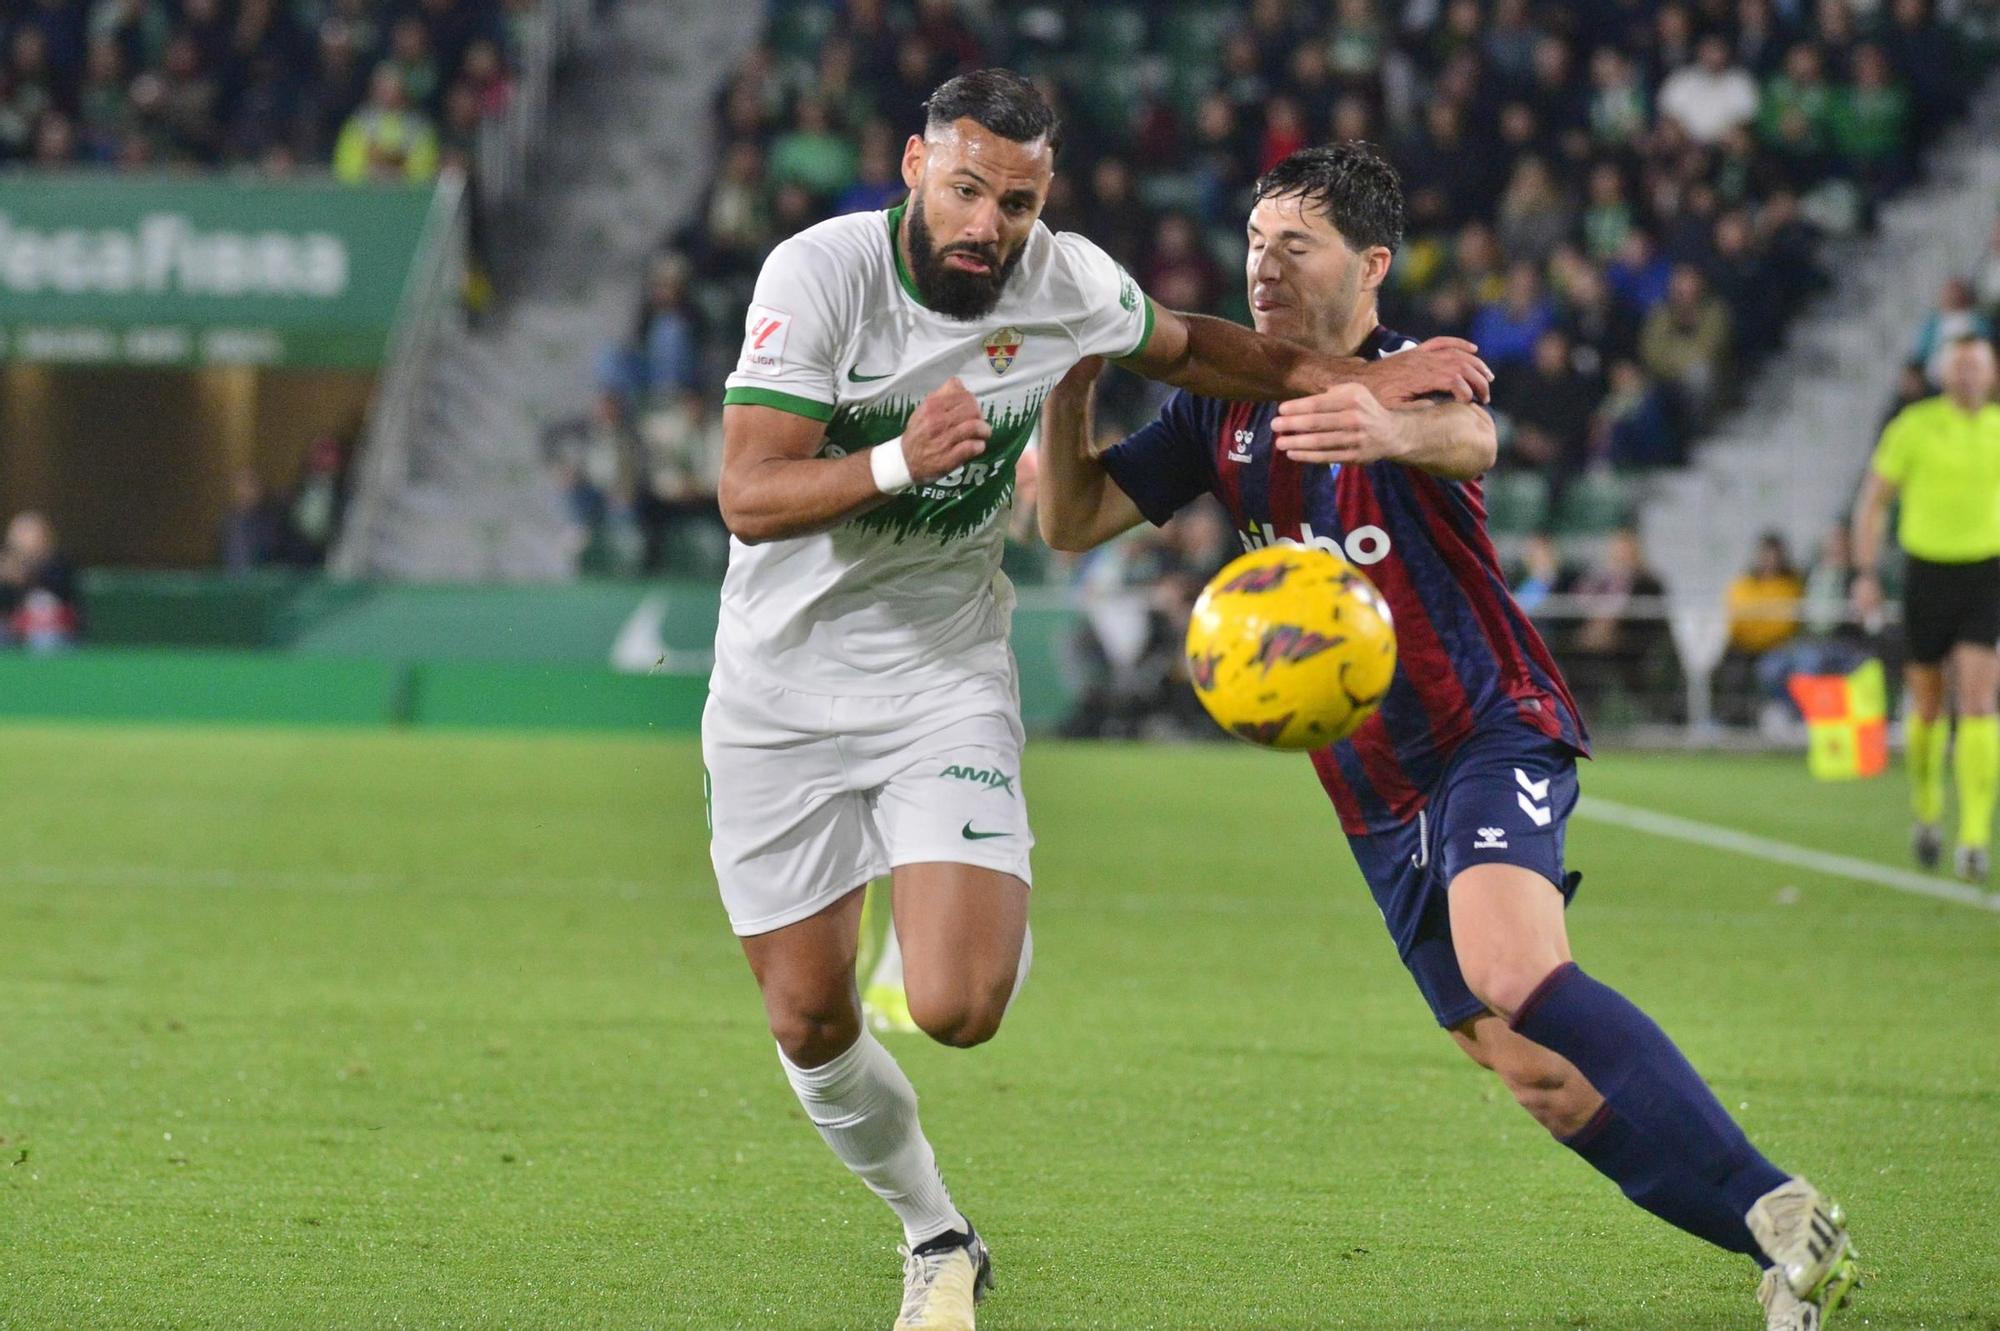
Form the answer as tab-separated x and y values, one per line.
863	716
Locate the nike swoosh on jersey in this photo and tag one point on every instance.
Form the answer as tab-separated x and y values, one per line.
971	835
854	378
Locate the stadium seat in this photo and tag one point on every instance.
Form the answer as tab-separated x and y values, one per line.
1111	33
1597	502
1517	502
799	30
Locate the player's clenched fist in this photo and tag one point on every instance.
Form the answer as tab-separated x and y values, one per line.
1443	365
945	432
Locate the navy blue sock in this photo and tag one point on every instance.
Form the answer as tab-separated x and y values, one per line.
1646	1080
1661	1183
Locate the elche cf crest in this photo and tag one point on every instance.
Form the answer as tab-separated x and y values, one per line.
1001	349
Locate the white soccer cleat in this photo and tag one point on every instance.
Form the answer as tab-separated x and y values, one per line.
1784	1310
1805	1236
940	1288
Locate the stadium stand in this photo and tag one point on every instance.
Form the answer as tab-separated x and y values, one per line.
1623	204
1626	206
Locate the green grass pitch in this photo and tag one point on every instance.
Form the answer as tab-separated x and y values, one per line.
366	1030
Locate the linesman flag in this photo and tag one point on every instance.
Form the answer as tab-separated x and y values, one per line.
1847	728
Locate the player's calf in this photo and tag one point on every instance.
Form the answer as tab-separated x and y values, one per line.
1544	1083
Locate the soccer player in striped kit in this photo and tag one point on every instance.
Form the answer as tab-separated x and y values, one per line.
1455	795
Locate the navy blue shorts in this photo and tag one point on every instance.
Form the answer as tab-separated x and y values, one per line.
1505	798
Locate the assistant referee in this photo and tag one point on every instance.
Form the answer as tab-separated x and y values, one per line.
1941	457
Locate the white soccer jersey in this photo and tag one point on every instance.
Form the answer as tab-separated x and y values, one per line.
909	594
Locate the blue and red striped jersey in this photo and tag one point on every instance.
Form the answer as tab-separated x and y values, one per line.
1466	654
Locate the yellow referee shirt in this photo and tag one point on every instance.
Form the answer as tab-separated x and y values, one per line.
1945	461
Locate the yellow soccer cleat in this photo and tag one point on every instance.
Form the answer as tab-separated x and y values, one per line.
887	1008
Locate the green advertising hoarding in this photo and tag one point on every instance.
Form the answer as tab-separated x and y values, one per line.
193	271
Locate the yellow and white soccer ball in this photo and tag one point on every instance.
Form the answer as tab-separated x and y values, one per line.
1291	648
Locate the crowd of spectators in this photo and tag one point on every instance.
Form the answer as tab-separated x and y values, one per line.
378	89
1621	203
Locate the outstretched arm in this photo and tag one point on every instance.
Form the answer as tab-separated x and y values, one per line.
1347	423
1079	506
1217	358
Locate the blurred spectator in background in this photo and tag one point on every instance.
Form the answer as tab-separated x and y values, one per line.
1506	331
1636	427
1620	637
813	154
321	499
1542	573
1551	404
659	362
1535	217
1640	274
1763	605
256	531
1711	96
1684	338
878	181
1618	110
1179	273
1594	315
1126	662
1829	600
38	591
1870	125
1957	316
385	140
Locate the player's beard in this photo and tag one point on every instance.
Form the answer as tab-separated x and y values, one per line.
954	292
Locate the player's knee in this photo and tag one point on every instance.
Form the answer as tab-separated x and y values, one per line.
1503	983
813	1033
962	1016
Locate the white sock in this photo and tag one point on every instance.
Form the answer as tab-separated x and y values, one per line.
1027	961
866	1110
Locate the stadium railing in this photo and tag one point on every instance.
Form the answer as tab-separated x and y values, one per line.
1651	670
509	142
429	309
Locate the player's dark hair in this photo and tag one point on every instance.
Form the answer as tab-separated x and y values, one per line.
1359	192
997	100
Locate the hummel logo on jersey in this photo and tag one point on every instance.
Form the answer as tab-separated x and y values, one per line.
854	375
1491	838
1241	452
990	777
1364	545
1533	798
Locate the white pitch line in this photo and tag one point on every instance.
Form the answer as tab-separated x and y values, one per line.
1783	852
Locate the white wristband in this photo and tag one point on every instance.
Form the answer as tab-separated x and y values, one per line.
889	467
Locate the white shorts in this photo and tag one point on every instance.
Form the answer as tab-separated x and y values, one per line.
810	796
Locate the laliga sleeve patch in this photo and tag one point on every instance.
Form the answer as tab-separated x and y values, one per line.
764	333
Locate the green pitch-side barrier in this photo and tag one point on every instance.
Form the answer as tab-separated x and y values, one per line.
289	649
